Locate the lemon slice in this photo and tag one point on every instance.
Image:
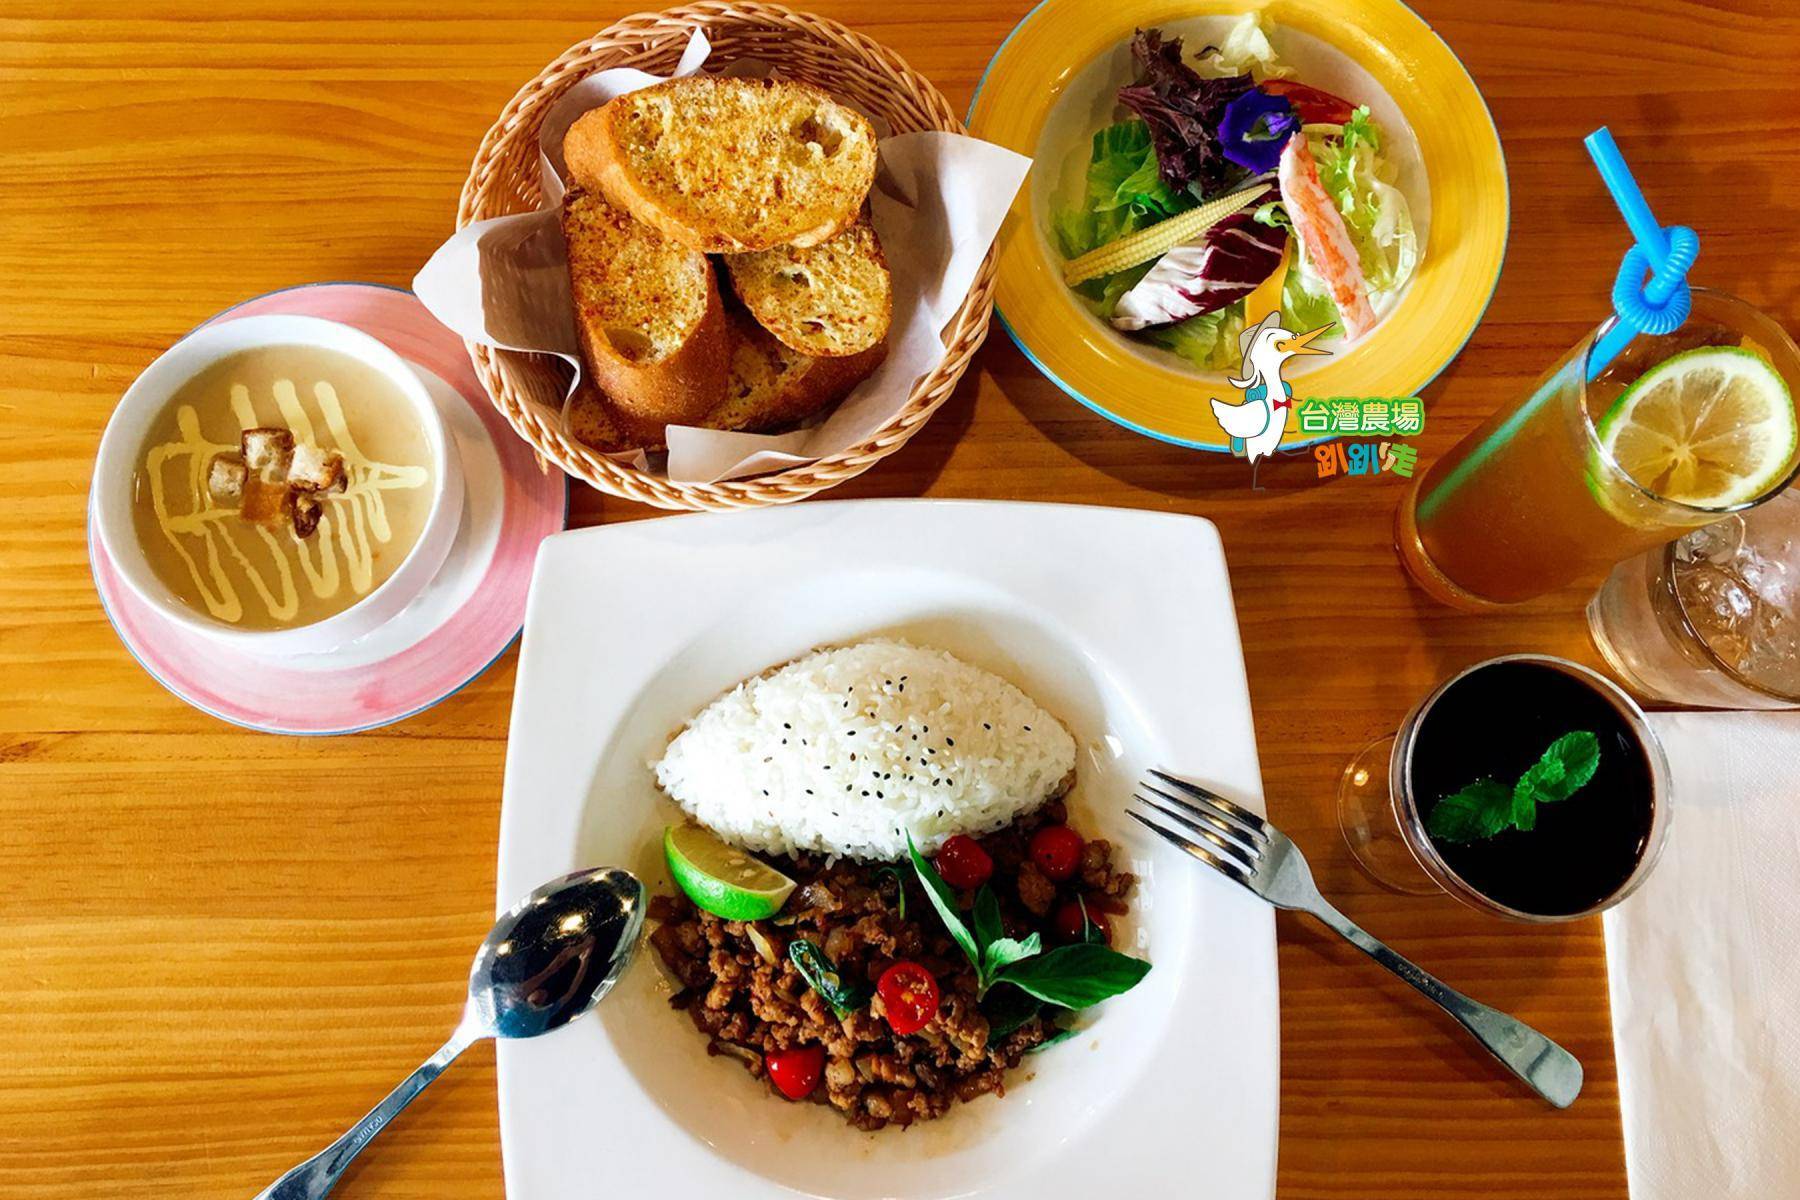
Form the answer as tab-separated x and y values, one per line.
1710	428
722	879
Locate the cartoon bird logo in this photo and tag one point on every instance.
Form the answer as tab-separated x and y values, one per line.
1257	424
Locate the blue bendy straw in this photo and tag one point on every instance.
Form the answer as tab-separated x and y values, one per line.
1663	303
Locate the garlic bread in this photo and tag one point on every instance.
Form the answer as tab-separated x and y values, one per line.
728	165
832	300
648	312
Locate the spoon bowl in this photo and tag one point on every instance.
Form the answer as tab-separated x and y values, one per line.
554	955
548	960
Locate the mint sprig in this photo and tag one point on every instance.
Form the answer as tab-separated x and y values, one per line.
1488	807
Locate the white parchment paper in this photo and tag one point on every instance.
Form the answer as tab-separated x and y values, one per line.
1703	971
937	204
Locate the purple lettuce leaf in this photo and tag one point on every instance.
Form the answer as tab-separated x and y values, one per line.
1183	112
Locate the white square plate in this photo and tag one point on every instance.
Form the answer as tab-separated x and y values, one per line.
1119	622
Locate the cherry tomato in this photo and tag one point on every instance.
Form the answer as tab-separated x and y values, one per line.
909	993
1066	922
1056	849
963	863
797	1072
1314	106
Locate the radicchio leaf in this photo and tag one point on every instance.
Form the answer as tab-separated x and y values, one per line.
1222	267
1183	112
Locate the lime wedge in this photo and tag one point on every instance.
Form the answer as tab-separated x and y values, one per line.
1711	428
722	879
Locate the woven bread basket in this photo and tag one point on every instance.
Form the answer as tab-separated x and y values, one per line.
528	388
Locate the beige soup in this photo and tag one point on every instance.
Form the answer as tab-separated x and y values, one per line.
255	577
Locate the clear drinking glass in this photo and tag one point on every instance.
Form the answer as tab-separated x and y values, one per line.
1532	500
1383	815
1713	619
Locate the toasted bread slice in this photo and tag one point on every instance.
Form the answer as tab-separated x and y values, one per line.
652	326
832	300
728	165
773	385
595	421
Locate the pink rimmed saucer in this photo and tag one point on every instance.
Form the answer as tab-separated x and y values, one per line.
465	619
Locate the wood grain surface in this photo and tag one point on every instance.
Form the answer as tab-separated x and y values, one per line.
221	947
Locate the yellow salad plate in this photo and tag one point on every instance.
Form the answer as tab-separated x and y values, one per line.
1050	86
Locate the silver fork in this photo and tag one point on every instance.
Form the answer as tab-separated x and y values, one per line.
1249	851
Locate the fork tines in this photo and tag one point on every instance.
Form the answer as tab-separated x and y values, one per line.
1233	836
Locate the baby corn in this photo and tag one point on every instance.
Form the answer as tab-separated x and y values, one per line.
1160	238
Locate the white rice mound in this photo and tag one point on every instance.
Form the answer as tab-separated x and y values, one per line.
846	751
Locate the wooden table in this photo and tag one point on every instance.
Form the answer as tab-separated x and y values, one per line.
222	946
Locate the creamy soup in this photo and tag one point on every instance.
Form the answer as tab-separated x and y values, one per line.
266	576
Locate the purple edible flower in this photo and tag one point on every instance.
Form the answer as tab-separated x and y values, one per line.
1255	128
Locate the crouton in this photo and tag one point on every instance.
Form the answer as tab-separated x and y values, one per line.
315	469
265	503
225	476
267	452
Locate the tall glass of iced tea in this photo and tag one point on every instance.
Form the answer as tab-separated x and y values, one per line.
1680	430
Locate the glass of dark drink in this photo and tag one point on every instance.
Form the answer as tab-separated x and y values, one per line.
1554	791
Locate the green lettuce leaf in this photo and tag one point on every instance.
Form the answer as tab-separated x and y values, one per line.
1209	341
1123	193
1305	309
1245	50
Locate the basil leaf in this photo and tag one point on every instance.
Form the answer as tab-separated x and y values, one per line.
1480	810
1006	1009
1578	756
822	975
1002	953
1077	976
944	900
1061	1035
987	918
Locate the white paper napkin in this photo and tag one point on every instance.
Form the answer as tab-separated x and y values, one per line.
1704	964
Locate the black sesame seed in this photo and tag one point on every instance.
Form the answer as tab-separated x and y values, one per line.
809	791
850	733
985	725
865	791
765	791
785	725
1028	729
828	766
949	741
879	796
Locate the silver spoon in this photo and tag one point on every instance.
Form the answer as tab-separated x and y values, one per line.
548	960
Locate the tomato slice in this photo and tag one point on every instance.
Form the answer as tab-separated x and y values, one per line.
909	994
1315	106
796	1072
